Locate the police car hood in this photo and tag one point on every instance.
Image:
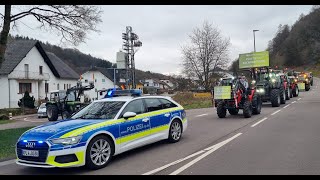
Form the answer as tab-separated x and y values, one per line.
56	129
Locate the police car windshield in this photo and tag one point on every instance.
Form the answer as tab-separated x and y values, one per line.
100	110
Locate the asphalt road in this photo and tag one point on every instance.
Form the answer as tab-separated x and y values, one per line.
274	142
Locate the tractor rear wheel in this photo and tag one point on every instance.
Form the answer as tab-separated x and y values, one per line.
52	112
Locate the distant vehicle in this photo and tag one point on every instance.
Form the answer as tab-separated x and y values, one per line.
304	78
293	84
42	110
101	130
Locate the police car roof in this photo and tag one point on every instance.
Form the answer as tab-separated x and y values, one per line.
128	98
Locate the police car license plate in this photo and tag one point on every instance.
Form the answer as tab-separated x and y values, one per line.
32	153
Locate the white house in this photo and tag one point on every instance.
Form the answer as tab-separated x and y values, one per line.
27	67
152	83
102	78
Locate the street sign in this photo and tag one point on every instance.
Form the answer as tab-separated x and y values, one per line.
301	86
253	60
222	92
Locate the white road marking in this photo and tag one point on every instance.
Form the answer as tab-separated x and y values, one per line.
259	122
201	115
4	163
293	102
299	99
173	163
286	106
275	112
214	148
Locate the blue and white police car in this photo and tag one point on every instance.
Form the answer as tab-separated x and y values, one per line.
103	129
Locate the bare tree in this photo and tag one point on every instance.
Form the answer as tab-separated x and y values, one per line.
206	52
71	22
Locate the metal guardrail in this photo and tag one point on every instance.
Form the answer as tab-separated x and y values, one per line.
28	75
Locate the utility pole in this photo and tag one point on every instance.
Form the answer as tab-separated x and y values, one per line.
130	45
254	40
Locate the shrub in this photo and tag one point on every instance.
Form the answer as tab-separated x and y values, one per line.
27	101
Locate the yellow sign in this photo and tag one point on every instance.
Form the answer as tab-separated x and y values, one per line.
202	95
222	92
301	86
255	59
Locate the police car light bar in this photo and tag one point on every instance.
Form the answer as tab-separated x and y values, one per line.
127	92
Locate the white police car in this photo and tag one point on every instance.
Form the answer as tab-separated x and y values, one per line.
104	128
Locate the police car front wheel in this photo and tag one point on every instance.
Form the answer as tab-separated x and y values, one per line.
175	131
99	152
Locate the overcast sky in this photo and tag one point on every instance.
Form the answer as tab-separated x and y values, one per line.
164	29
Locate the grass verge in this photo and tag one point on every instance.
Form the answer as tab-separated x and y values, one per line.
188	101
6	121
8	139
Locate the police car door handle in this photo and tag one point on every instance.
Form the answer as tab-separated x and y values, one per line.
145	119
167	115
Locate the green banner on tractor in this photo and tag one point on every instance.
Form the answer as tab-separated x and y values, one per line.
222	92
302	86
253	60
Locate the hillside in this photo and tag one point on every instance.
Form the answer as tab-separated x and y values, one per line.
298	46
80	61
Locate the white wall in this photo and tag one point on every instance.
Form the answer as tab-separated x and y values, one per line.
98	84
4	92
34	59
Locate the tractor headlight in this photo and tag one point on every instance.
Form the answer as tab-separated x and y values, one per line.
273	80
261	91
66	141
253	82
295	80
307	80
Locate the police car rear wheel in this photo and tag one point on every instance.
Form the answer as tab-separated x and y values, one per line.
99	152
175	131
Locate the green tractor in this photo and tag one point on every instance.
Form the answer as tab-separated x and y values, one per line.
271	86
66	102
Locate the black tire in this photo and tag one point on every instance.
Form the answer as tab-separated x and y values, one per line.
275	97
247	109
66	115
233	111
282	96
175	131
52	112
295	92
104	139
308	87
221	110
257	105
287	91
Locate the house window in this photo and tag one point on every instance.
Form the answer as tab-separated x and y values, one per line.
64	86
46	87
86	80
23	87
103	80
95	80
40	70
57	86
69	85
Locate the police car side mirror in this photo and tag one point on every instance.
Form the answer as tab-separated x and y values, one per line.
128	115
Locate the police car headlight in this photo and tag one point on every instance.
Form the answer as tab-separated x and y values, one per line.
66	141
